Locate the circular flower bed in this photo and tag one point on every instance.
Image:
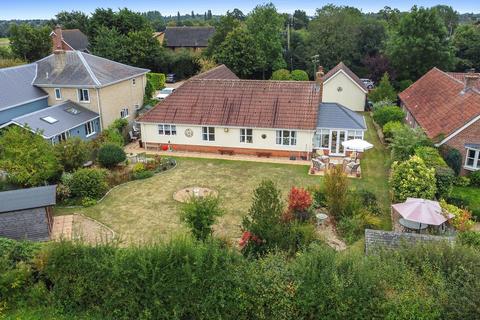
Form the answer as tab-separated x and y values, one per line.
184	194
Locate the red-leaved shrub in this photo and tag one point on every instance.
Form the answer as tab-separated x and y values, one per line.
299	200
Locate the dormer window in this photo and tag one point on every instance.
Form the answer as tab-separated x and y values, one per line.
58	94
83	95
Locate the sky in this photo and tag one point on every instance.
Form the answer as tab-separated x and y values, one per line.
46	9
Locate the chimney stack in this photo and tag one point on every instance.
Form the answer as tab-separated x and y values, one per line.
59	53
471	79
319	81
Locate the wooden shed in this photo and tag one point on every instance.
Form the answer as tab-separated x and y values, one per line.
26	214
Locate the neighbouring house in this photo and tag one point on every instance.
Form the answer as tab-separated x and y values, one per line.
447	107
17	95
192	38
341	85
255	117
71	39
26	214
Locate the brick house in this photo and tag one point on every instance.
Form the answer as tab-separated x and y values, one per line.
447	107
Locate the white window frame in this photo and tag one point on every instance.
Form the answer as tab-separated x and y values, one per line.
319	137
124	113
64	136
81	94
246	135
58	93
208	133
354	134
286	137
476	160
90	128
166	129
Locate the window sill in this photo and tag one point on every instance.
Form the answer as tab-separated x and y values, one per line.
91	134
470	168
86	101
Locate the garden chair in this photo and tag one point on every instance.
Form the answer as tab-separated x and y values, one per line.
318	165
132	137
352	168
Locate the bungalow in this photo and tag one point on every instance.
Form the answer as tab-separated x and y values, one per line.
341	85
191	38
255	117
26	214
447	107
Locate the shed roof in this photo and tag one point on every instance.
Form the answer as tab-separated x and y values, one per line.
66	116
21	199
335	116
188	36
16	86
242	103
82	69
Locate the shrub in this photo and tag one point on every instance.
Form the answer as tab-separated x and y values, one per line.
369	201
353	228
111	155
89	183
88	202
404	84
299	75
63	192
336	188
444	177
412	178
299	201
157	80
200	213
462	181
470	238
384	103
143	175
390	127
111	135
405	141
119	124
387	114
474	178
461	217
453	158
281	74
138	167
384	90
149	91
318	196
431	156
72	153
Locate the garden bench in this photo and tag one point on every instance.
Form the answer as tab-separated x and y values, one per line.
264	154
226	151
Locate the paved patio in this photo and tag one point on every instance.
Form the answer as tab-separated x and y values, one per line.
134	148
79	227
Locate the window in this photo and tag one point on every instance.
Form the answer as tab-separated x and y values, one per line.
321	138
124	113
90	128
286	137
208	133
58	94
49	119
246	135
63	136
473	159
83	95
134	81
167	129
354	134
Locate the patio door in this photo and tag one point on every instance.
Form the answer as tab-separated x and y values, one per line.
336	139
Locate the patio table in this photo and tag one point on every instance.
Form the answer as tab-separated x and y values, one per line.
412	225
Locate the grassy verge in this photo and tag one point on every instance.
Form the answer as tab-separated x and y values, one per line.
471	196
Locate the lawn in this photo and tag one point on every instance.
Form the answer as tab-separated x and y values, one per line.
470	195
4	42
144	210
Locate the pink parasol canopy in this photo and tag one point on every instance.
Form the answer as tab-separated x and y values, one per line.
421	211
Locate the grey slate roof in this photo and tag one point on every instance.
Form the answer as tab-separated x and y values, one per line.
66	120
29	224
16	86
188	36
336	116
21	199
82	69
75	39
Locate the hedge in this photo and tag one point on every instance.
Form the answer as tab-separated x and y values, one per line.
157	80
387	114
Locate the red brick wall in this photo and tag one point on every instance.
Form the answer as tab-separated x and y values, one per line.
242	151
469	135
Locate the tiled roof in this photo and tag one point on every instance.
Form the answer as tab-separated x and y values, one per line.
188	36
82	69
242	103
336	116
75	39
461	76
68	115
219	72
16	86
439	104
344	68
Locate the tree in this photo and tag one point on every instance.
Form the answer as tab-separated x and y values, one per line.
200	213
384	91
240	53
281	74
412	178
448	16
72	20
300	20
72	153
110	155
265	25
28	159
336	189
110	44
30	43
299	75
466	41
419	43
223	27
377	65
237	14
405	141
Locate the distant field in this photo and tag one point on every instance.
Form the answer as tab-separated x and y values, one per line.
4	42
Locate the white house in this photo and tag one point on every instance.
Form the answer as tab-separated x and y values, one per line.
341	85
